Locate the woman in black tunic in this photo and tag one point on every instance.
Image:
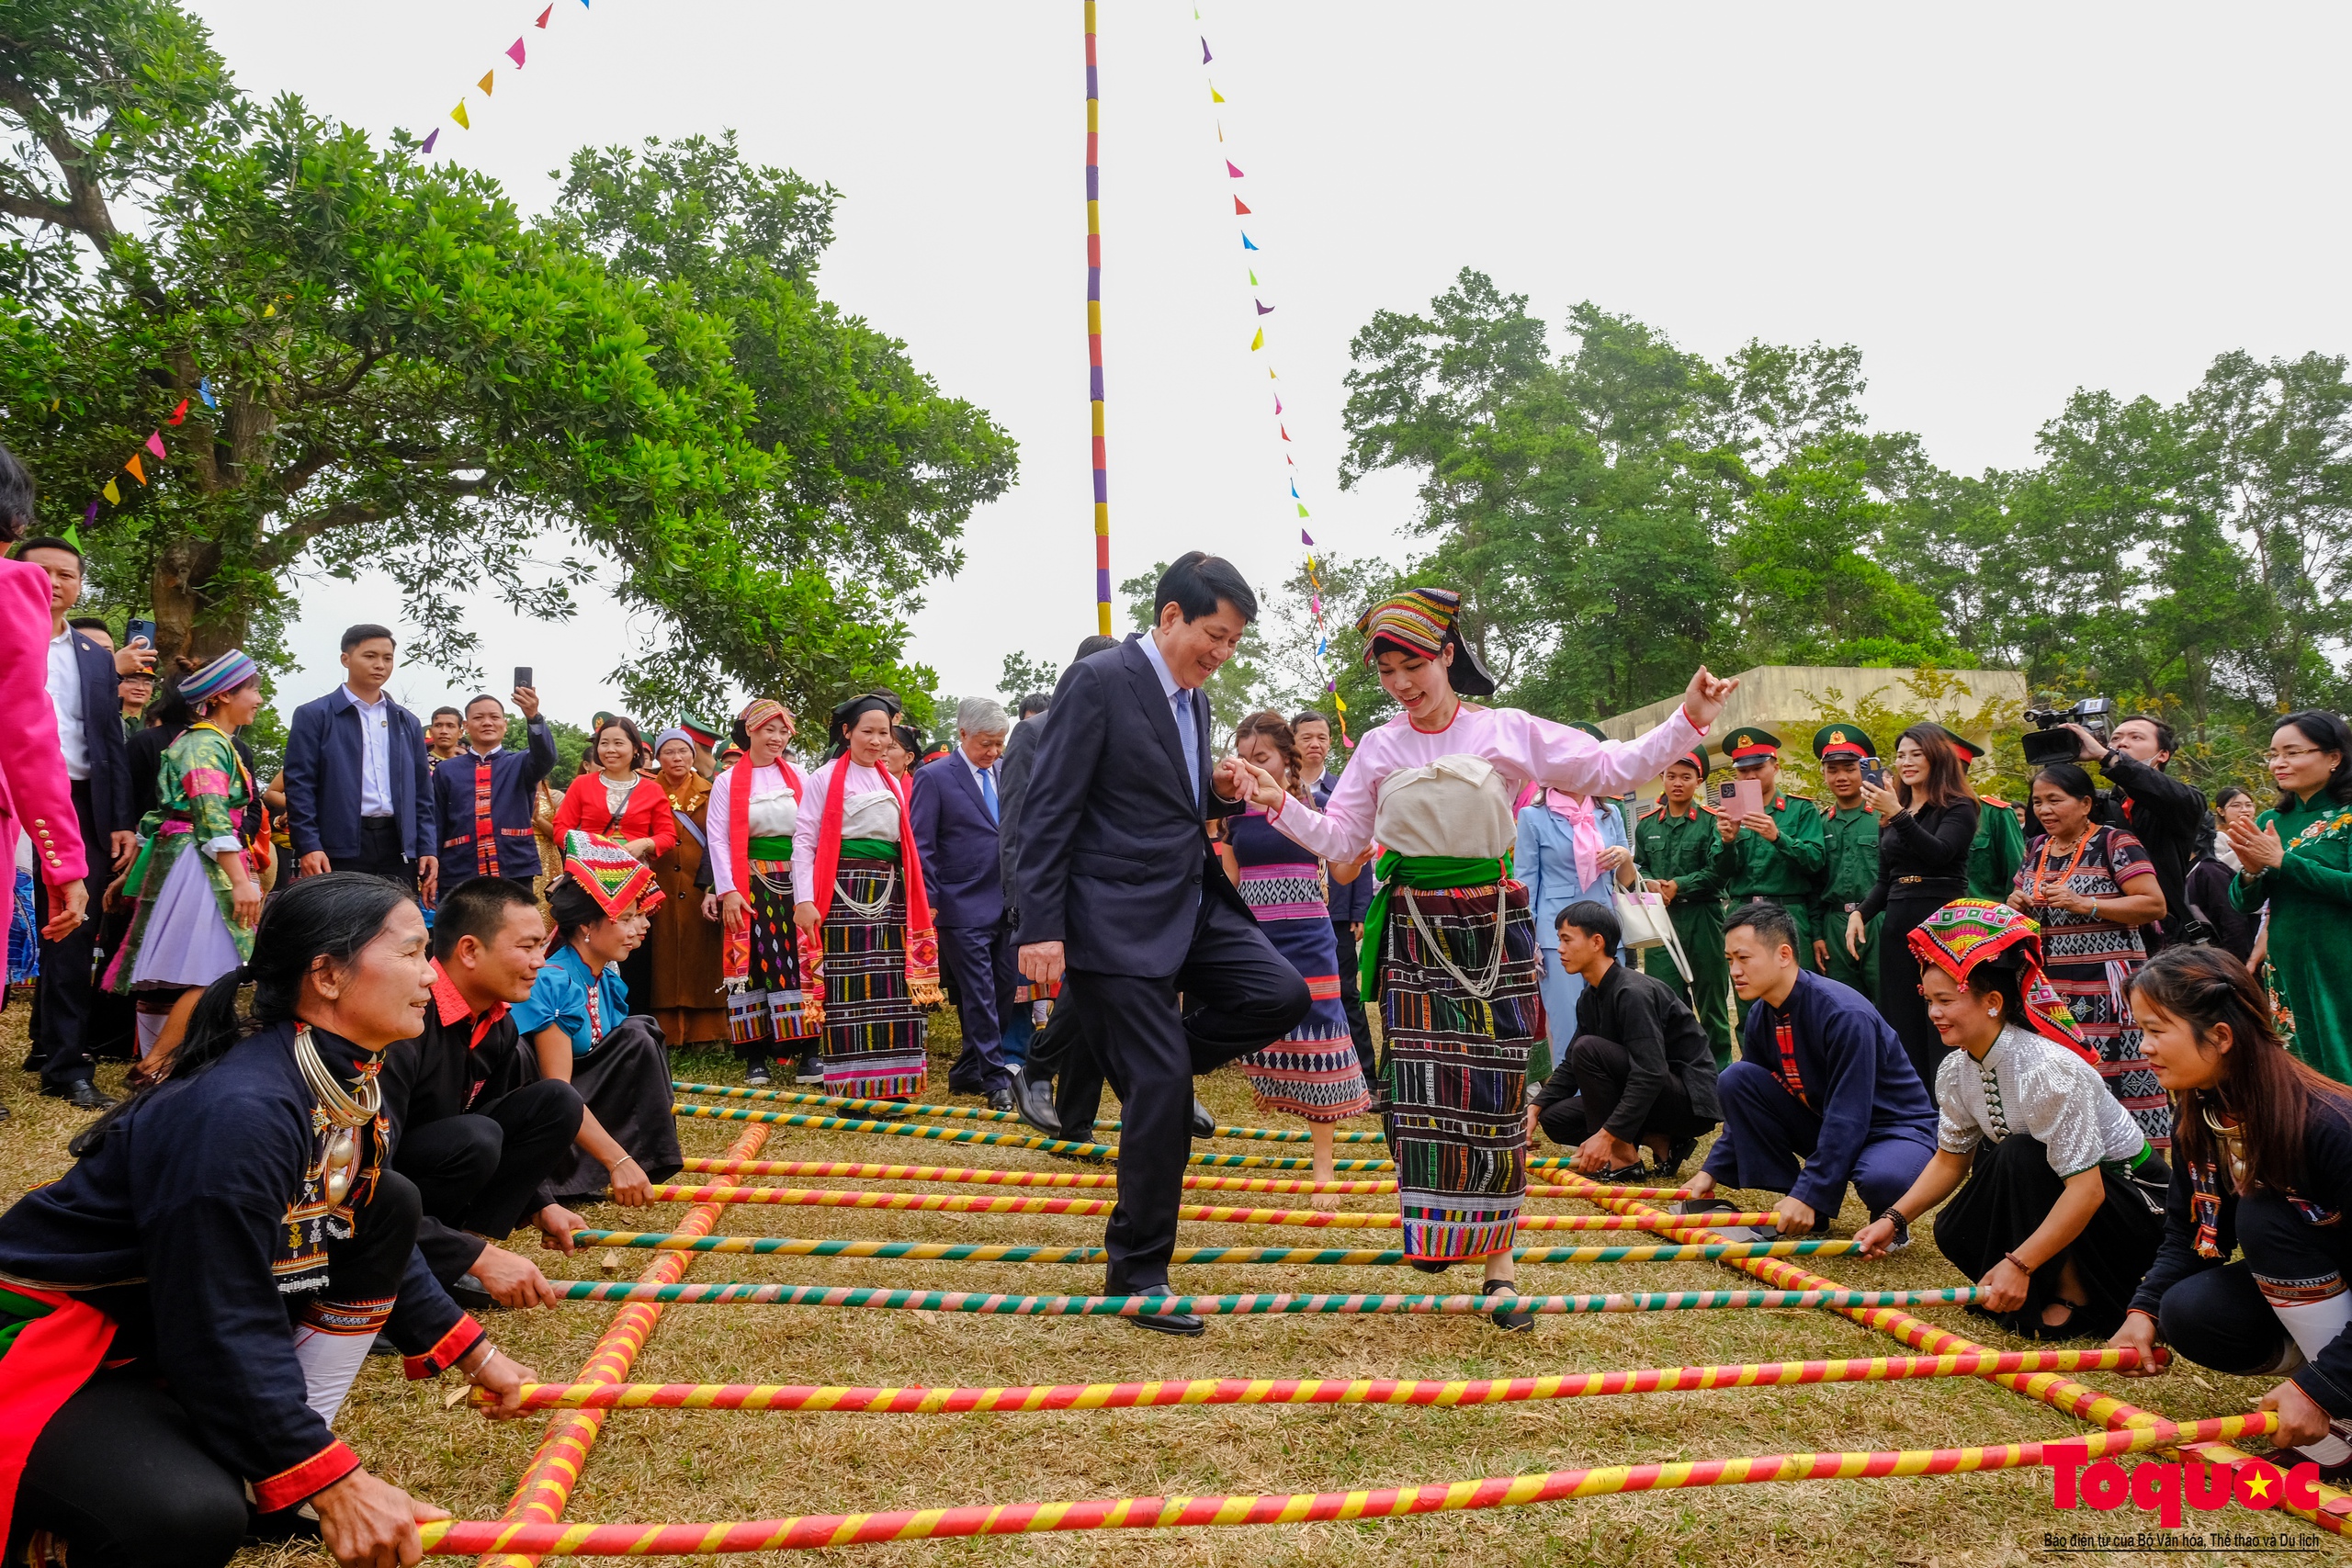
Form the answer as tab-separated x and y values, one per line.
2261	1166
183	1311
1927	821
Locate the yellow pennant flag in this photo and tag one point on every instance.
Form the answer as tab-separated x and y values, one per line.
489	78
114	496
1341	701
1216	96
270	308
1259	341
137	472
458	114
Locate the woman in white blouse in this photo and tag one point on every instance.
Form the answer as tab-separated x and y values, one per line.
862	900
2065	1201
754	806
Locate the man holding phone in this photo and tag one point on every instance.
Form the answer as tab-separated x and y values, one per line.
482	796
1850	838
1769	845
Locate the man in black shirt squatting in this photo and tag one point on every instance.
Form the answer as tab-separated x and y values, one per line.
1639	1071
474	1126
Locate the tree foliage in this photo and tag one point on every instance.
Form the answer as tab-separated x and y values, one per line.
411	377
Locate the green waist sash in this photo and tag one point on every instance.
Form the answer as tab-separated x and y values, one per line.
1432	871
771	847
870	848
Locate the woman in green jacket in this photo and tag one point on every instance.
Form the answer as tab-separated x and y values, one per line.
2299	856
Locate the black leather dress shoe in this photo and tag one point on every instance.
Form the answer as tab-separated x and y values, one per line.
85	1096
1204	1125
1182	1324
1033	1099
1000	1100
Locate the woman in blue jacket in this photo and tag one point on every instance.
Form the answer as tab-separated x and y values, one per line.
1570	848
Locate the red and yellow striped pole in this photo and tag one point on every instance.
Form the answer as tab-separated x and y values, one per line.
1094	331
546	1488
921	1400
1299	1507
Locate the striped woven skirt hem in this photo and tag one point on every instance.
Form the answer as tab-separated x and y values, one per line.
871	1049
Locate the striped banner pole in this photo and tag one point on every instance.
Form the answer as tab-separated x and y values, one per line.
1037	1252
449	1537
981	1113
1094	331
835	1399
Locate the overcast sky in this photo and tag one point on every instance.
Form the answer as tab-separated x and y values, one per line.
1996	203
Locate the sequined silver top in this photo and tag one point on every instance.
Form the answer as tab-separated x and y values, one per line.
2029	1085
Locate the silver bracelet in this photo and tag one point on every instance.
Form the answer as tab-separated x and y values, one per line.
489	1354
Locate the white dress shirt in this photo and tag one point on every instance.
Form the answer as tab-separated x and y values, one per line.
375	754
65	697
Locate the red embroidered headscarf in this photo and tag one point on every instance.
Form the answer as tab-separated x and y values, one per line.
1967	932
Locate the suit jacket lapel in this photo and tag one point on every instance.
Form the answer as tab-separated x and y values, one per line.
1162	719
963	770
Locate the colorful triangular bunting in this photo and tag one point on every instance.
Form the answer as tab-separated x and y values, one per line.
543	15
1259	341
1216	96
113	495
1263	308
1246	244
430	138
155	443
138	471
1232	173
514	53
1239	208
179	413
488	80
1205	51
204	391
458	114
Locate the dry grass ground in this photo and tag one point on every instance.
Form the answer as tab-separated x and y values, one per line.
715	1466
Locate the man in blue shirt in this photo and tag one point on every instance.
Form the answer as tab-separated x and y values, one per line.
1824	1093
355	794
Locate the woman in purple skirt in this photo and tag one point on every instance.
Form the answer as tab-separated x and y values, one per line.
1312	1072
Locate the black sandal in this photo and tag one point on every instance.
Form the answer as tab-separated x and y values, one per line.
1511	1320
2064	1329
1431	1265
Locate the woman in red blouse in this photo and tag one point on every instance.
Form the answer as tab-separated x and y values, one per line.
611	798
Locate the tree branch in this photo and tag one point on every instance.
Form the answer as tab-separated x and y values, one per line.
86	206
279	550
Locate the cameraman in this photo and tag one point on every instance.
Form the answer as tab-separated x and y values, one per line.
2162	813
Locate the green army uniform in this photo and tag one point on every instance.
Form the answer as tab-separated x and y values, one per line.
1681	850
1996	851
1852	840
1786	871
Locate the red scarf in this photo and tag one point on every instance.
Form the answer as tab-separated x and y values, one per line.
735	947
922	941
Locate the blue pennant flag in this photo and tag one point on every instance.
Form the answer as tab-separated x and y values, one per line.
1245	242
204	391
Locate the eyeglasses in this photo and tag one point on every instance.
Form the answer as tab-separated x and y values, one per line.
2291	754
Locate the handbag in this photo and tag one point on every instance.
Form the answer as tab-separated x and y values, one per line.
1643	921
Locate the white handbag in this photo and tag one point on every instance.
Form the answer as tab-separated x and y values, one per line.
1643	921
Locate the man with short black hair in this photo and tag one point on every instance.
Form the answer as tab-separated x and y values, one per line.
1823	1093
1121	890
445	736
84	692
2164	814
355	781
482	796
1030	706
1640	1070
473	1125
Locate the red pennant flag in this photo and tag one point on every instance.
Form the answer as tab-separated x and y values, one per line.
514	53
1231	169
1240	210
179	413
543	18
1285	433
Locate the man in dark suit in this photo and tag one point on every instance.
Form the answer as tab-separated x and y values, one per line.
1121	891
955	810
355	787
82	690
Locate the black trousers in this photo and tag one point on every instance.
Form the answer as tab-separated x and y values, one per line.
1060	1054
2011	1189
475	1174
1233	995
119	1470
61	1025
625	1082
1602	1066
2221	1319
1352	1003
380	854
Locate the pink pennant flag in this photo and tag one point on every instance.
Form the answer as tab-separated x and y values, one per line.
514	53
1231	169
1278	403
543	18
1319	604
155	443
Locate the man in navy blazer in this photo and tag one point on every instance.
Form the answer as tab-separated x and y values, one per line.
956	808
1121	889
83	678
355	794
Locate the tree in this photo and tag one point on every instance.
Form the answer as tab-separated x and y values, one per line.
1023	675
409	376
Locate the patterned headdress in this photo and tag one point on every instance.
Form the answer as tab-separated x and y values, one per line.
759	711
1420	621
1967	932
223	675
607	873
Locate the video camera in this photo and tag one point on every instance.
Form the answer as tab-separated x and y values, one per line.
2046	742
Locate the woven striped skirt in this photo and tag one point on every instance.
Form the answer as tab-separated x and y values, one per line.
767	1017
873	1049
1456	1066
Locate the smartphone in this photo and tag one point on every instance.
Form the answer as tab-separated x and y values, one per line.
522	675
134	628
1736	798
1873	772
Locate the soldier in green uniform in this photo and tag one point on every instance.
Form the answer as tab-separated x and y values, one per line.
1998	849
1849	831
1776	854
1673	847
